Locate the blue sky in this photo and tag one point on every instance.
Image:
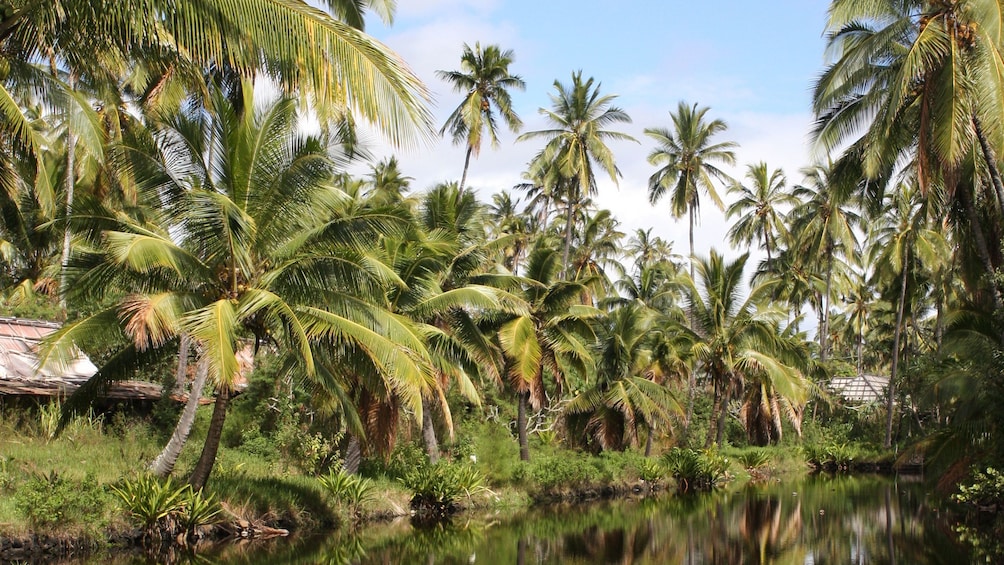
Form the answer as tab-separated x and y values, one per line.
753	63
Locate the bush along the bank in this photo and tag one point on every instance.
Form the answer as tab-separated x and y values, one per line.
437	487
984	491
163	509
696	470
50	501
349	492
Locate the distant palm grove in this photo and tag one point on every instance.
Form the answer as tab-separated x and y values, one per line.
165	205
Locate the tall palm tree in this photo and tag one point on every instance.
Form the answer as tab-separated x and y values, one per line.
441	264
824	224
485	81
292	42
902	242
737	339
246	240
576	143
688	162
549	341
922	81
760	207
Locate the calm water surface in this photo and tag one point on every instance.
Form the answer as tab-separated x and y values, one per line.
820	520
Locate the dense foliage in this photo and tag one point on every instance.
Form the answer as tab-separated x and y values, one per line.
197	221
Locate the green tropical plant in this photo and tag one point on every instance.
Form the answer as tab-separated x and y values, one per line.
754	458
903	241
629	393
351	490
436	487
824	224
576	144
739	344
688	161
152	501
694	469
920	82
485	80
549	340
760	208
245	240
197	509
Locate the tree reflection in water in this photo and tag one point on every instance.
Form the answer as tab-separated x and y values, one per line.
857	520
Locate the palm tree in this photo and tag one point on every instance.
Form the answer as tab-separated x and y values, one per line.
291	42
246	239
549	341
594	253
759	208
901	243
511	225
824	223
737	340
485	80
576	143
688	161
440	264
921	81
628	395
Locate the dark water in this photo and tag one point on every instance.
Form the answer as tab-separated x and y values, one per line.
820	520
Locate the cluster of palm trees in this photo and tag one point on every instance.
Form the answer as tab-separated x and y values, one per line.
172	211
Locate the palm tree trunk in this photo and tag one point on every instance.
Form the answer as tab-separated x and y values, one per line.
163	465
467	164
824	335
991	160
722	415
200	475
71	143
716	406
353	455
181	374
861	346
692	377
982	249
429	431
521	424
568	237
891	397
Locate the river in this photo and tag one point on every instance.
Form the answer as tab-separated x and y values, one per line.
814	521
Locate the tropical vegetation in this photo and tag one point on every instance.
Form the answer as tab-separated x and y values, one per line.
175	216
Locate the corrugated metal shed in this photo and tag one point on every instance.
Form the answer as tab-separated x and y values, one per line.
861	389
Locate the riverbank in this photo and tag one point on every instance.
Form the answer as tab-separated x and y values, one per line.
57	494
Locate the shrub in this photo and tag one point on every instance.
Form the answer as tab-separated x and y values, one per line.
159	504
698	470
197	510
754	458
151	502
348	490
650	471
832	456
986	488
435	488
51	501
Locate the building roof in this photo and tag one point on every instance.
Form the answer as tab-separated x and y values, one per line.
860	389
19	374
